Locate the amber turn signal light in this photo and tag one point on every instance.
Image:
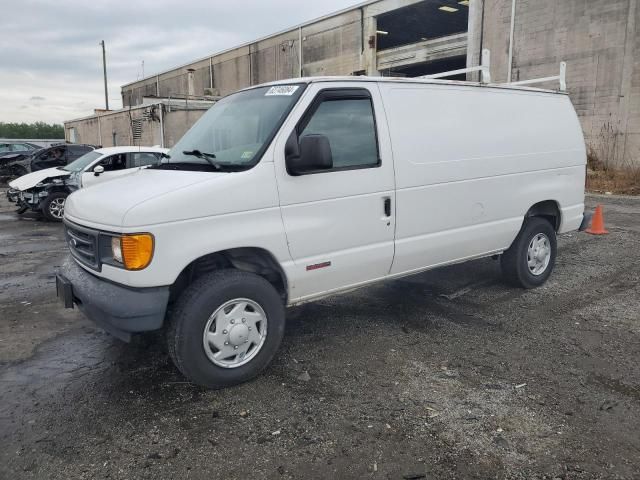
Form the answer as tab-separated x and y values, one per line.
137	250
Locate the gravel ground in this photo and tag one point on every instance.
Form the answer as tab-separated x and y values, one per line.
446	374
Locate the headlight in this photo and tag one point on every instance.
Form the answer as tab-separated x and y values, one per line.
116	249
134	252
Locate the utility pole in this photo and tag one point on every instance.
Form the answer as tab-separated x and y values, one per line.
104	68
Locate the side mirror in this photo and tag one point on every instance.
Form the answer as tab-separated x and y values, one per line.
98	170
313	153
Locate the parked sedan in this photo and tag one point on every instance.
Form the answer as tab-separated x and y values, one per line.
58	156
13	148
46	190
53	156
11	155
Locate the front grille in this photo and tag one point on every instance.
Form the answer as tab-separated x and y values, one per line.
83	243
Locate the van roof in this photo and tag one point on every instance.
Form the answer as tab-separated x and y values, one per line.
421	81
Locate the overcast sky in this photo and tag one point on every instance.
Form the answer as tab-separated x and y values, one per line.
51	61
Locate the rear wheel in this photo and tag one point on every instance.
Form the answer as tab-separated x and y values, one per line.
18	171
53	206
529	261
225	328
13	171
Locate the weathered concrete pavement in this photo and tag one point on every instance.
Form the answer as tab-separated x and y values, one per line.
448	374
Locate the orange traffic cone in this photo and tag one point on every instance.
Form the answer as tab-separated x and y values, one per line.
597	224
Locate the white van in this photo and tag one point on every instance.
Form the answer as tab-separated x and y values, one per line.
291	191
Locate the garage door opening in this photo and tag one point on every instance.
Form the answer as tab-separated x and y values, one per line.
429	68
422	21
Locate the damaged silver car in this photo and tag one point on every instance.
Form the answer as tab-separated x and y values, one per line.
46	191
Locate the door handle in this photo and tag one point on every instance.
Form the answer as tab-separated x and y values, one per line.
387	206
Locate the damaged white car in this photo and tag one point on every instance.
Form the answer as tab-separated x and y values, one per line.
45	191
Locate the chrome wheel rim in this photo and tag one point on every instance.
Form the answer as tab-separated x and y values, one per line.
539	254
235	333
56	208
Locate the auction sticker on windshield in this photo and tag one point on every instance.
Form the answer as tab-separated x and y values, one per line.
282	90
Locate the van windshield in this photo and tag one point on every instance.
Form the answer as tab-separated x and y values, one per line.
236	131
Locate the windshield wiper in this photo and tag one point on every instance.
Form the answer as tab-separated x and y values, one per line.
199	166
207	156
198	153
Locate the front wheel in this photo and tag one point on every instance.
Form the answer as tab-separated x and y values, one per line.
53	206
529	261
225	328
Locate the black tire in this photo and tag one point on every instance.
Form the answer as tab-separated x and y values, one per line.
18	171
48	206
13	172
514	261
190	315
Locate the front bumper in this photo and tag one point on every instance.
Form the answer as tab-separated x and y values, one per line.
13	195
27	199
120	310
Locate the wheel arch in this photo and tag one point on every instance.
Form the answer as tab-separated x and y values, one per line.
548	209
51	191
248	259
59	188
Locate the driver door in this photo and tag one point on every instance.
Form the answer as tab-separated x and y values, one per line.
340	221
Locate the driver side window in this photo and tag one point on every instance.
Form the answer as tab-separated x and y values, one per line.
114	162
349	125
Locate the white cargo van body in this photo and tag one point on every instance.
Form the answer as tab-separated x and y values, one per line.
292	191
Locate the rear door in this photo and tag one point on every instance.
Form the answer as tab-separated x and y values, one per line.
339	222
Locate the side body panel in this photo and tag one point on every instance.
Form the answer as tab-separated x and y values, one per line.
471	161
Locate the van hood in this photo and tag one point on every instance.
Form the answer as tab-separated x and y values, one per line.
30	180
108	203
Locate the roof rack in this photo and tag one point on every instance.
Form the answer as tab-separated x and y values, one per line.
484	68
485	74
562	78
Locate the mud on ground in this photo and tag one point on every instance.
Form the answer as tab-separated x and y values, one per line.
447	374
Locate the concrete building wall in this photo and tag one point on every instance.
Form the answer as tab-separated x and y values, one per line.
344	43
115	128
599	40
177	123
334	45
631	114
86	131
330	47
